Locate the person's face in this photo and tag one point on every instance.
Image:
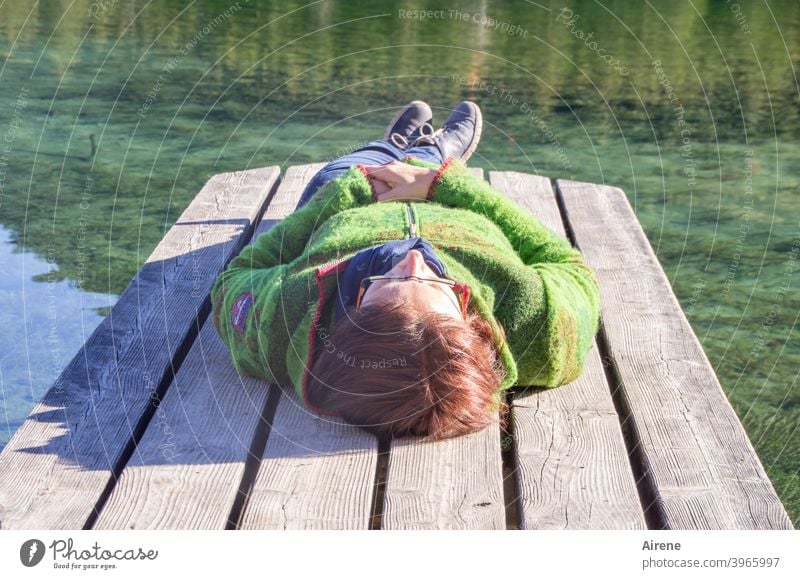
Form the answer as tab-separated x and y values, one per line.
433	296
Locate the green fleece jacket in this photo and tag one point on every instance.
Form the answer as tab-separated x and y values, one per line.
273	305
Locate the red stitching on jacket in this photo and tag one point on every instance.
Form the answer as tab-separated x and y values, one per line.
438	177
336	265
321	272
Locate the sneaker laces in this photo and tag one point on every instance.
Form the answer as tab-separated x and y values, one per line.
427	136
399	140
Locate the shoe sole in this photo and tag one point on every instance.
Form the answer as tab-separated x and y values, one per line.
388	134
476	137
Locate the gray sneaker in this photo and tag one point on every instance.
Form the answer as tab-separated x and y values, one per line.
410	123
460	133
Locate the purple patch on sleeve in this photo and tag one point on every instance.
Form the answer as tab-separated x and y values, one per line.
239	311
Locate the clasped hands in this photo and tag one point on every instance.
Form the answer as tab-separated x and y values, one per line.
398	181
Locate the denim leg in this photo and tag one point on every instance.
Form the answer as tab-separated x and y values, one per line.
429	153
373	153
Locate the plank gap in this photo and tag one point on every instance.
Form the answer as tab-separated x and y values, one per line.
181	353
379	488
645	485
562	211
254	457
508	452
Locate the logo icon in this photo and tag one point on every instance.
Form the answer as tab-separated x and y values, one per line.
31	553
239	311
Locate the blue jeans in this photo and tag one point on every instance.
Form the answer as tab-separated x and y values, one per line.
373	153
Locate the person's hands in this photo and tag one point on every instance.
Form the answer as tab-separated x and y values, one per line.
398	181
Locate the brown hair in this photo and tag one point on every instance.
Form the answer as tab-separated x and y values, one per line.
394	370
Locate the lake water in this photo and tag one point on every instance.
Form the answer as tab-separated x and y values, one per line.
115	114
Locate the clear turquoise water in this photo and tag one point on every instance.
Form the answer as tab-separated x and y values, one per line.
692	107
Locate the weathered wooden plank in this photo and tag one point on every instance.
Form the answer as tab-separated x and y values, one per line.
573	469
699	464
185	472
316	472
449	484
56	467
209	418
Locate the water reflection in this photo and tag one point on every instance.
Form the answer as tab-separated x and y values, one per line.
45	321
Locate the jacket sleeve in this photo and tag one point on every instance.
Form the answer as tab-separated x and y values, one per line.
564	296
286	240
260	267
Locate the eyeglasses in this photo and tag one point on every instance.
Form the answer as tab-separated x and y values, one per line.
461	289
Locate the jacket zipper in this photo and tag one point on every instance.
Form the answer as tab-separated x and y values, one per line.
412	232
412	226
330	264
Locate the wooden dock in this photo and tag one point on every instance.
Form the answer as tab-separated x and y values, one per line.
150	427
